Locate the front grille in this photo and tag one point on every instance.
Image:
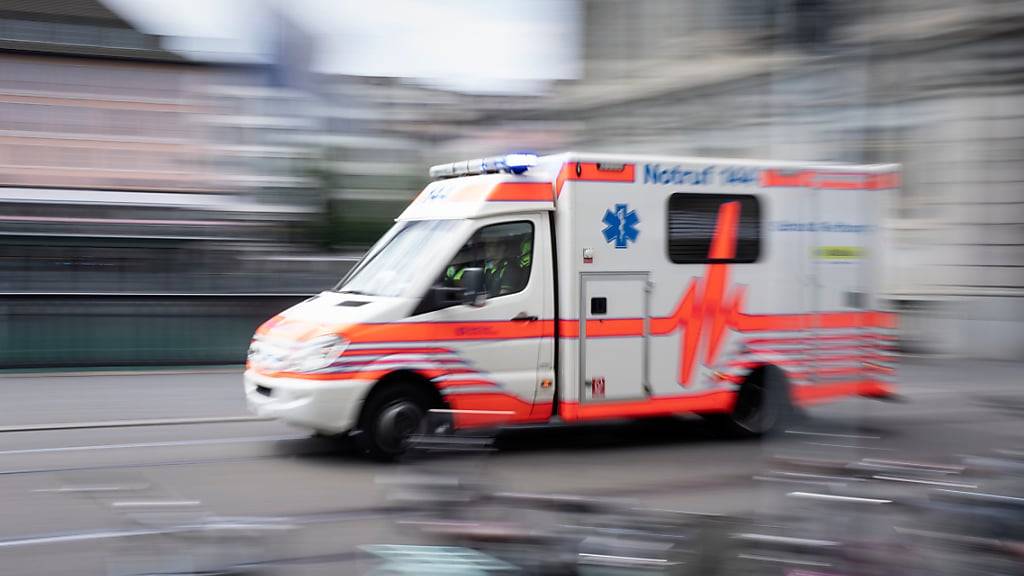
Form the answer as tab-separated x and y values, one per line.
264	390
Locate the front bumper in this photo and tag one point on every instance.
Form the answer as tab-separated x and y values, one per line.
329	406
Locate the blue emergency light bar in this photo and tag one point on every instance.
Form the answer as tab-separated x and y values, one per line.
513	163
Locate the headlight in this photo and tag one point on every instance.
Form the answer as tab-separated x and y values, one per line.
318	353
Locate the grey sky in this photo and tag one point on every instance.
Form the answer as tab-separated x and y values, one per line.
473	45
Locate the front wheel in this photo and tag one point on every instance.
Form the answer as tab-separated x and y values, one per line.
390	419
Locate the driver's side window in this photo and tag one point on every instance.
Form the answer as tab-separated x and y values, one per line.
503	251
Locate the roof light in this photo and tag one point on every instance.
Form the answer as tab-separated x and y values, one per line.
513	163
519	163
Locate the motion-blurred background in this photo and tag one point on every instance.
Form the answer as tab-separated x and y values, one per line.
172	173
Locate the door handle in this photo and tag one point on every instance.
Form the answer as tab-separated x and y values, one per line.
523	317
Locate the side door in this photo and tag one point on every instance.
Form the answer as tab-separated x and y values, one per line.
614	333
503	348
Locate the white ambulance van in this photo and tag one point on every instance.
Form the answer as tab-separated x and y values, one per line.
581	287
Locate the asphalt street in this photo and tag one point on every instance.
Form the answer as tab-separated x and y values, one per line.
93	466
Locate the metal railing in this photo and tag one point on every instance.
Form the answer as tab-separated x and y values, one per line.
65	330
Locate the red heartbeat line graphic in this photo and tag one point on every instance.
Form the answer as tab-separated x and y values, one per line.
705	299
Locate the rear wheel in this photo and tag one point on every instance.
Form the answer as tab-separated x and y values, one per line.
763	404
390	418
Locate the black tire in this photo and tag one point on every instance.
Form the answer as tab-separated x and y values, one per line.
763	405
390	417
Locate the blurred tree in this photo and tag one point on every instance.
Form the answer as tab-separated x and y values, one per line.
337	221
321	182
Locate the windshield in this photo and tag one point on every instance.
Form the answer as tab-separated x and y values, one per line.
403	260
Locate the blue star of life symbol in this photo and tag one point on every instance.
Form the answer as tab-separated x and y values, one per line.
620	225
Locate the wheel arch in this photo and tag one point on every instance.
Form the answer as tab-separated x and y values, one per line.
406	377
758	372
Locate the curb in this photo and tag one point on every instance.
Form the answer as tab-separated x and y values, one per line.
126	372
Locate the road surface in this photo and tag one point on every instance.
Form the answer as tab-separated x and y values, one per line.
91	464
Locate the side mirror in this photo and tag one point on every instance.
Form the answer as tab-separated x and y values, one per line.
473	290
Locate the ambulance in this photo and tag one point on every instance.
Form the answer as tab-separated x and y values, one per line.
583	287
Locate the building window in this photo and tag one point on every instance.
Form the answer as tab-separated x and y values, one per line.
693	222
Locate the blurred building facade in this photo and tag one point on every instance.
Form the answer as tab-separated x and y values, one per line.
110	176
88	101
381	135
259	117
234	156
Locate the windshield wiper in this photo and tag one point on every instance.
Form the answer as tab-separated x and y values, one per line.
357	292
